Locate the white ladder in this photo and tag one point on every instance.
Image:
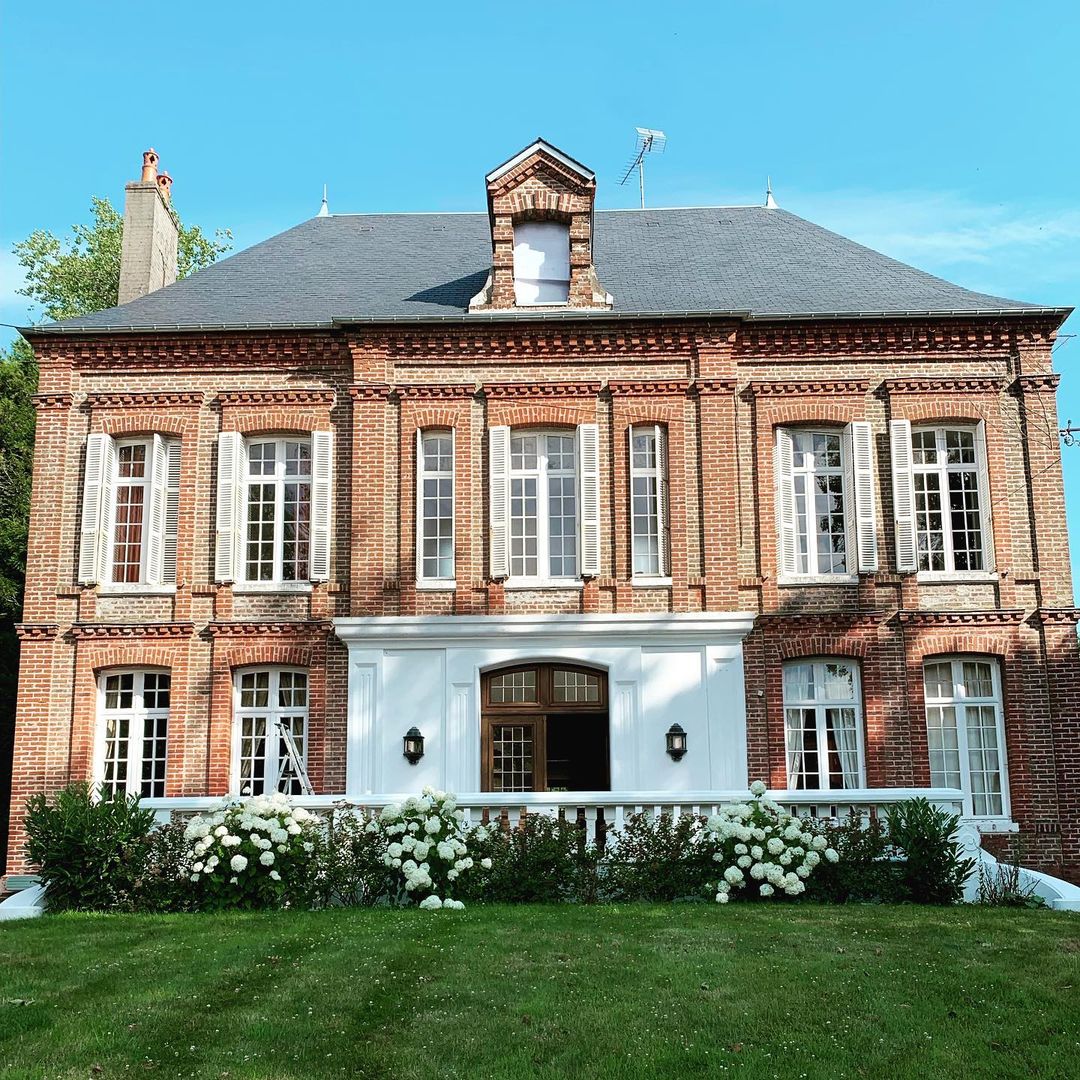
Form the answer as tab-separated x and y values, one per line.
292	758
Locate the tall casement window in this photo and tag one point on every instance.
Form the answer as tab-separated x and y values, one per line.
133	728
823	720
269	700
541	263
130	511
941	495
545	504
273	509
435	506
825	510
965	731
648	500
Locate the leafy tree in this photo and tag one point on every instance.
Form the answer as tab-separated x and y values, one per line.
65	278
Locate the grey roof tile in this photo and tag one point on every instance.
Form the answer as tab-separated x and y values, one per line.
752	260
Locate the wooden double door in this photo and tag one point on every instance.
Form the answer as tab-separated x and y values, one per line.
545	728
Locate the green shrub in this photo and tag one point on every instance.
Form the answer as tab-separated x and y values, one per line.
934	868
541	860
349	862
867	870
657	858
162	859
92	852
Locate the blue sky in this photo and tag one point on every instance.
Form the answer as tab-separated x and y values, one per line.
941	134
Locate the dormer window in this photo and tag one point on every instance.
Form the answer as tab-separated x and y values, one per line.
541	263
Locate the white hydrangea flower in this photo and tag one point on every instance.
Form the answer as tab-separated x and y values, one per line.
766	889
395	851
803	871
238	863
757	871
757	852
194	877
446	851
431	903
722	898
775	845
819	843
267	858
274	875
433	826
812	859
485	863
832	854
733	875
420	849
744	861
740	849
198	868
757	788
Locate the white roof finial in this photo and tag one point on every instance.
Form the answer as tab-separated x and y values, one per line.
324	210
770	202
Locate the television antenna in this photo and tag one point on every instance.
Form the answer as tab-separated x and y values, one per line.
649	141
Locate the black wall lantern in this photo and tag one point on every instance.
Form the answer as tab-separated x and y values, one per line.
414	745
676	742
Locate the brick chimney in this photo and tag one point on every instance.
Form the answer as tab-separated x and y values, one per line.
148	253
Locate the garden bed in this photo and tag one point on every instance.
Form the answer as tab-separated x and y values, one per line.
790	990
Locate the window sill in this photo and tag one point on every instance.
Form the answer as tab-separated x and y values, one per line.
651	582
135	589
240	588
436	586
543	583
992	824
948	577
817	579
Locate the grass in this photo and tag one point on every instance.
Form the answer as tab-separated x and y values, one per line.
515	992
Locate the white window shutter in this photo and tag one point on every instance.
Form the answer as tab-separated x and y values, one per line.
227	547
903	483
155	523
783	469
97	491
985	508
172	513
499	496
662	531
322	477
863	472
589	476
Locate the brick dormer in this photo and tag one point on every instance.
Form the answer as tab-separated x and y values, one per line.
540	205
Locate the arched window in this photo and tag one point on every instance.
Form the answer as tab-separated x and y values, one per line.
133	722
545	728
541	263
823	724
269	702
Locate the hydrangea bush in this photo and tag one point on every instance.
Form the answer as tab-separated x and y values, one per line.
251	853
427	845
763	850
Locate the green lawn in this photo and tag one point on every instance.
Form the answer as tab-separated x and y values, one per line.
629	991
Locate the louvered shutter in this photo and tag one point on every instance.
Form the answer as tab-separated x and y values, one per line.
155	522
903	484
322	475
588	436
97	492
499	496
783	468
863	473
662	530
986	510
230	476
172	513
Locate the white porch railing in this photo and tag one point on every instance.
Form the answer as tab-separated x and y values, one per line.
600	811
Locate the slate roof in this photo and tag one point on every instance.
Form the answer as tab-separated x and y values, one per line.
755	262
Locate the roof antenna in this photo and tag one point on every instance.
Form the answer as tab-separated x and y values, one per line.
324	210
770	202
648	142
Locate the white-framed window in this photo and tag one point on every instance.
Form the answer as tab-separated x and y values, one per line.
268	700
825	507
648	500
823	724
273	509
951	498
541	263
132	732
965	731
435	505
130	511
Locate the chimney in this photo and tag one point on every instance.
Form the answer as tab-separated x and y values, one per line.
148	252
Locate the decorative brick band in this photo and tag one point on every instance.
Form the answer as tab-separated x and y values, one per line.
36	631
52	401
371	392
436	391
713	386
256	628
642	388
809	387
988	384
541	390
943	619
100	631
1057	616
291	396
179	399
1046	381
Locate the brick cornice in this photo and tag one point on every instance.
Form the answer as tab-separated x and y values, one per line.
645	388
975	384
806	387
1057	616
435	391
114	631
713	386
180	399
52	401
371	392
502	390
1044	382
931	620
36	631
259	628
834	619
289	396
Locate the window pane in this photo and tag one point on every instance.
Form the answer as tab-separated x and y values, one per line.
253	755
937	681
943	745
818	492
512	757
798	682
290	783
984	760
514	686
577	686
155	733
843	741
260	532
296	534
523	527
802	749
